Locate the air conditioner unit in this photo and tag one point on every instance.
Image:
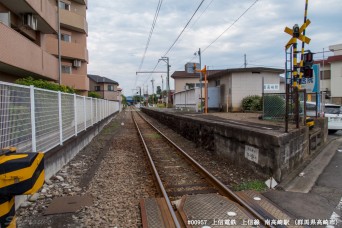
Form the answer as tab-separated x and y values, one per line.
30	21
77	63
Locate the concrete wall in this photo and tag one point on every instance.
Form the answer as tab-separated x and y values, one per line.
336	79
180	83
275	153
249	83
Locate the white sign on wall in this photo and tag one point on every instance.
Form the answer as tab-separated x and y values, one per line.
252	153
268	87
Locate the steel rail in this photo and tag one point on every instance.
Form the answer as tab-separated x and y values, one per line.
224	190
156	175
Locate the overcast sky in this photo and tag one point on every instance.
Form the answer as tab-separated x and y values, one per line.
119	30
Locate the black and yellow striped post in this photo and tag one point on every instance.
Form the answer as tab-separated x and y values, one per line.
297	33
20	174
305	24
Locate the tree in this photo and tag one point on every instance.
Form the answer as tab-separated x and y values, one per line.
153	99
138	98
43	84
124	100
94	94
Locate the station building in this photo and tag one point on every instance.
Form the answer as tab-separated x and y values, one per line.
227	88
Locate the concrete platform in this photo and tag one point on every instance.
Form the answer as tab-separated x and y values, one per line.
262	145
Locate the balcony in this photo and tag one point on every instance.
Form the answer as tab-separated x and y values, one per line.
76	81
73	21
69	50
19	56
82	2
45	12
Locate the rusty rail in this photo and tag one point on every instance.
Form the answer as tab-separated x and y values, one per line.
223	189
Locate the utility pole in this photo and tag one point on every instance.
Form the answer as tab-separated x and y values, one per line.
162	82
152	91
139	94
59	45
245	61
201	77
166	60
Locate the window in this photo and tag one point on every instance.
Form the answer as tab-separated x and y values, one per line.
66	37
327	75
63	5
66	69
217	82
5	18
110	88
97	88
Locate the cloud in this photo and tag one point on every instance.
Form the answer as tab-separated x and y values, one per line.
118	32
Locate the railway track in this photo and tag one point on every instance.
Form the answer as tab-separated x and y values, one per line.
177	174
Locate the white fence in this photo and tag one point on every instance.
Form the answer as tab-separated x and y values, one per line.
189	99
35	119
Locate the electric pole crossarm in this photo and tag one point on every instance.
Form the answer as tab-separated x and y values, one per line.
150	72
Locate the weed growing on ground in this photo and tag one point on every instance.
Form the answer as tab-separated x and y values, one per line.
251	185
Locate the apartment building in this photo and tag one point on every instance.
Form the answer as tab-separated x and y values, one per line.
29	41
331	75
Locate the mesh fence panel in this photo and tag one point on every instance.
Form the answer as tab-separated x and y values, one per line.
16	121
274	106
80	113
47	119
68	116
88	111
94	111
15	117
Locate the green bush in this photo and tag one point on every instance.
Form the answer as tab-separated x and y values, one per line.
252	103
43	84
93	94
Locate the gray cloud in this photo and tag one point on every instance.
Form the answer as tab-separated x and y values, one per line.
118	32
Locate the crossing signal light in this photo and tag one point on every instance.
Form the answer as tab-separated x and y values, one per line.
296	32
308	72
307	64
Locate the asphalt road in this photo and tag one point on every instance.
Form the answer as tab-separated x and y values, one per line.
324	201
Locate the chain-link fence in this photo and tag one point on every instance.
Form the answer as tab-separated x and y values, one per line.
274	105
35	119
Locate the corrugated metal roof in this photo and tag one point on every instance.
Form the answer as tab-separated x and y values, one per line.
184	74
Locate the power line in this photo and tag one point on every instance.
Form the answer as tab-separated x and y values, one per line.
151	32
184	28
149	38
199	17
226	29
231	25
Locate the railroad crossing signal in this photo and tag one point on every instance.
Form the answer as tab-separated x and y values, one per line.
307	64
297	34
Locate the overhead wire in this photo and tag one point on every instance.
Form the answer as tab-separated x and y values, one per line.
151	32
150	35
217	38
231	25
199	6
